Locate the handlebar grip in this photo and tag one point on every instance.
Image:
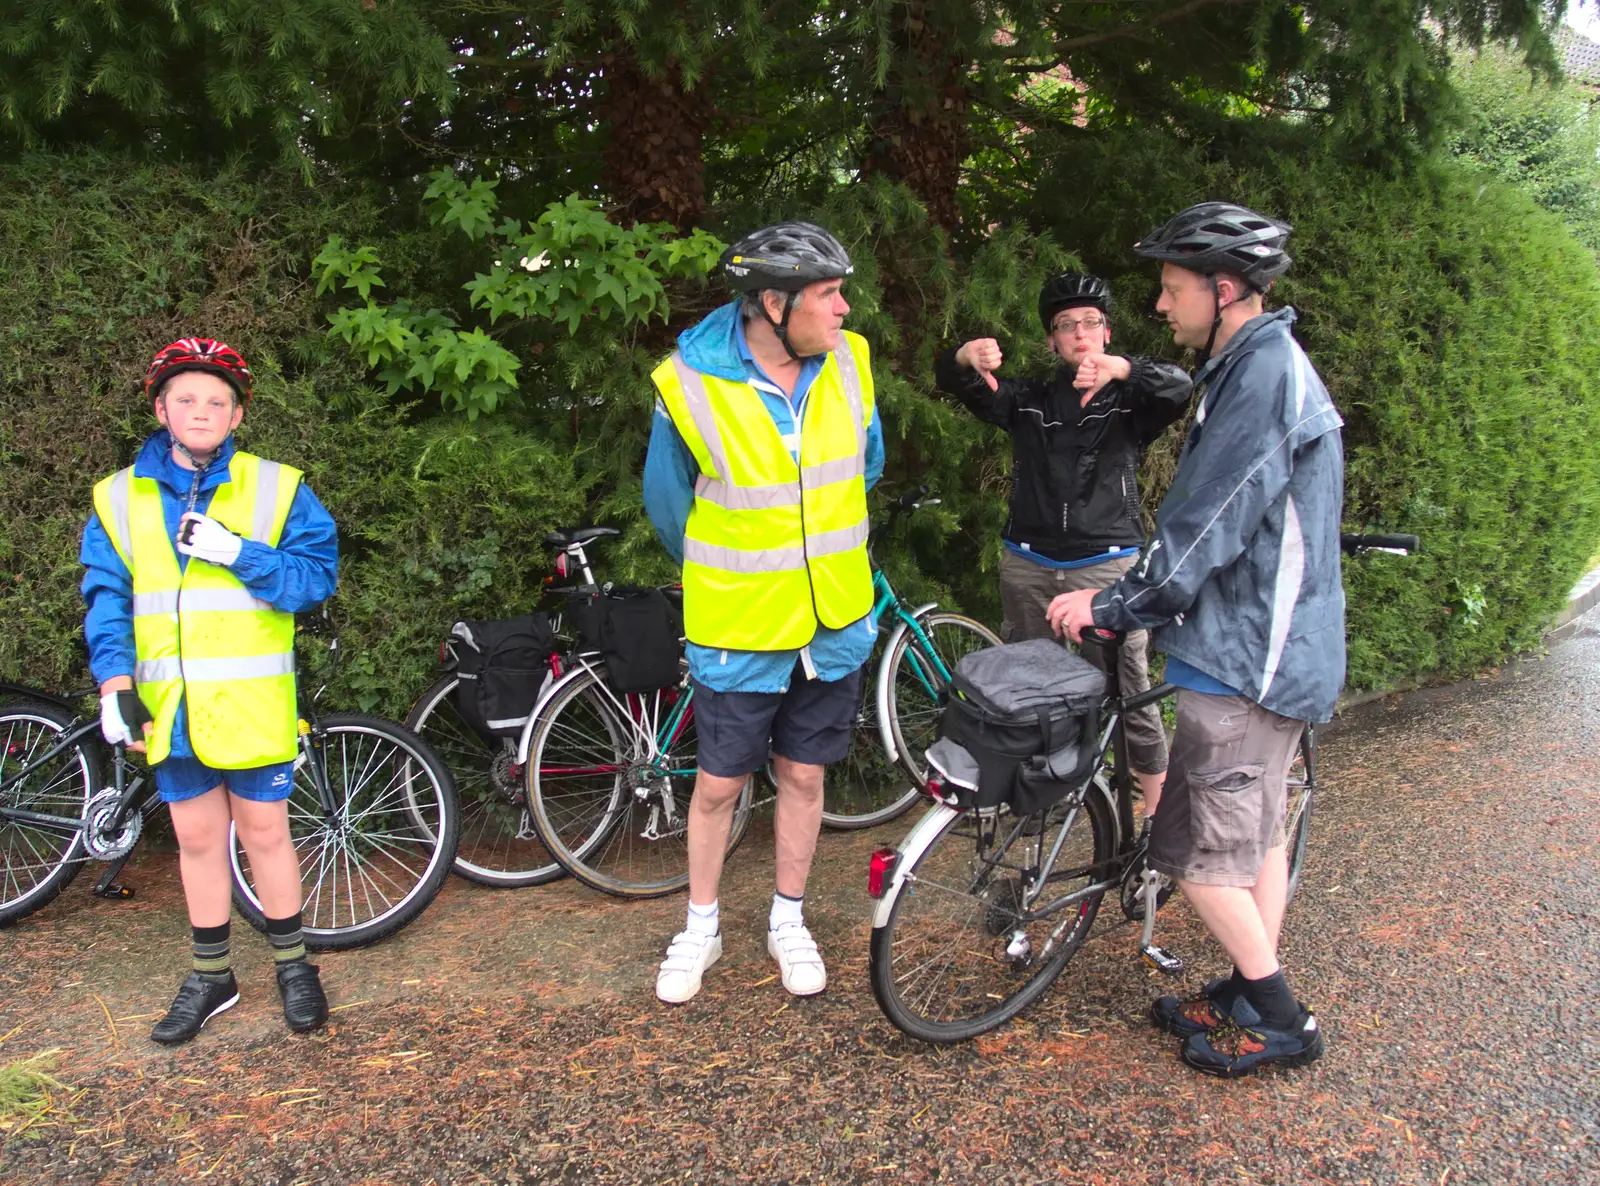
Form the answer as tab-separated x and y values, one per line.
1361	543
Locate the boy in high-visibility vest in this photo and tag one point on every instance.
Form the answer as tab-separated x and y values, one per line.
198	557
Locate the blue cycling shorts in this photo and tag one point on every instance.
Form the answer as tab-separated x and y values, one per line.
178	779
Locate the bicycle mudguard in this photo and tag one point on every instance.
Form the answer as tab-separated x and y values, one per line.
885	732
911	850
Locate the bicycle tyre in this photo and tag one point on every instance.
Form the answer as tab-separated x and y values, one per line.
951	979
32	879
499	846
421	815
1302	790
582	805
914	712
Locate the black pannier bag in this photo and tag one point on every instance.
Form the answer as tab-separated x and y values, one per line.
1027	714
639	632
501	668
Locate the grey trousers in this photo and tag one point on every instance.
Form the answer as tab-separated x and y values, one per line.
1026	590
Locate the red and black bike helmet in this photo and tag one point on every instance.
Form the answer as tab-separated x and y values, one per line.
199	354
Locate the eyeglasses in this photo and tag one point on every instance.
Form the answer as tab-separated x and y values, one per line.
1068	326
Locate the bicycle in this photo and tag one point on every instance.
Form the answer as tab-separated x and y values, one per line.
977	912
503	843
373	815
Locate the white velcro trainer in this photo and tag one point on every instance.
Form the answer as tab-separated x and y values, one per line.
798	959
688	957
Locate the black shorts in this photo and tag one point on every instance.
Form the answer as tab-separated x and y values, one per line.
811	723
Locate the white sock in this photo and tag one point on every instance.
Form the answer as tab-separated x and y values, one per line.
784	911
704	920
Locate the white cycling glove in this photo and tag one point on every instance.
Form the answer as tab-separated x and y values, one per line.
113	728
206	539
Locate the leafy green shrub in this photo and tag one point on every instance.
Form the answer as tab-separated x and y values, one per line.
1452	321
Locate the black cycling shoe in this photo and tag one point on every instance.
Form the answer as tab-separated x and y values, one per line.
305	1006
1198	1014
1243	1043
199	999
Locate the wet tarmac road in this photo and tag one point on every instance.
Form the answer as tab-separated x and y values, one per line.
1446	934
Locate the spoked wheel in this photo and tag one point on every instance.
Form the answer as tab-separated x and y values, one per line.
374	862
866	788
610	778
919	682
499	845
959	952
1302	787
37	861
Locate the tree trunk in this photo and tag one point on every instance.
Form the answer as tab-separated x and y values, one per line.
919	129
654	168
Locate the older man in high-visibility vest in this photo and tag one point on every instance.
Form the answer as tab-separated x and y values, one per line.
765	443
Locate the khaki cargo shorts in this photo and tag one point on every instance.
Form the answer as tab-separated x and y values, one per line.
1222	807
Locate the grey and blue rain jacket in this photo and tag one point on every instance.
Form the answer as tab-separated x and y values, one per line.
1241	579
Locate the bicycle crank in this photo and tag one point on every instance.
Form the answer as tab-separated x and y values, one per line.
97	816
1158	958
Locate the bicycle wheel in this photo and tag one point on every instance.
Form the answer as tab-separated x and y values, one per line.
38	861
499	845
373	863
1302	788
610	778
917	690
956	954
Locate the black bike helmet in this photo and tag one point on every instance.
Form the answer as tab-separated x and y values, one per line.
1220	237
1071	290
787	256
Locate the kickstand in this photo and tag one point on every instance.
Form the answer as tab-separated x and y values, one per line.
107	886
1158	958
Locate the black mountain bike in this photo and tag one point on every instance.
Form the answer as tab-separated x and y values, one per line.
373	815
977	912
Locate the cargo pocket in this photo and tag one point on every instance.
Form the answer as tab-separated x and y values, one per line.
1225	807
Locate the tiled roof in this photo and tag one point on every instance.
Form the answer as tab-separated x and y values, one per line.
1580	57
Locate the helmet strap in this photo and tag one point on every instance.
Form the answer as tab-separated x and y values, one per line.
1216	321
781	328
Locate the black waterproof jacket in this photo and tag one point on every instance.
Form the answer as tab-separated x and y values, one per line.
1075	470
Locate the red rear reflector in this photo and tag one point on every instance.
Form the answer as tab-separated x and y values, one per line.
880	870
561	564
934	789
444	654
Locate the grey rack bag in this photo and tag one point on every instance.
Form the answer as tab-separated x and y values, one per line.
1028	713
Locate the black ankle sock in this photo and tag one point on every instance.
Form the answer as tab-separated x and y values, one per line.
211	950
1272	999
288	940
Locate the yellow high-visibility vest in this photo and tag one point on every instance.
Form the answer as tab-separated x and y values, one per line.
198	633
772	548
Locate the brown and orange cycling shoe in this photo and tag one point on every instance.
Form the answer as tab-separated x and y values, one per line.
1198	1014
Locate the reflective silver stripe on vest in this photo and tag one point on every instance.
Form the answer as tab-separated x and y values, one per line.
150	671
198	601
738	560
747	498
841	469
699	404
121	498
270	474
826	543
845	359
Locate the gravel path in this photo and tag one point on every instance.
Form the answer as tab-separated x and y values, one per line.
1446	934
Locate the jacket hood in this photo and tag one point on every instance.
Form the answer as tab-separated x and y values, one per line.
712	346
155	461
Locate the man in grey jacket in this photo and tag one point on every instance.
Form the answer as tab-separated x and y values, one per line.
1241	586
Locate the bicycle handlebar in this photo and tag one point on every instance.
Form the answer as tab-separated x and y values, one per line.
1402	545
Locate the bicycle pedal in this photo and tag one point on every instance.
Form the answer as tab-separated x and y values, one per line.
120	893
1161	959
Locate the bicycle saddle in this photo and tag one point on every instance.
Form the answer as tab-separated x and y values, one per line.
568	536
